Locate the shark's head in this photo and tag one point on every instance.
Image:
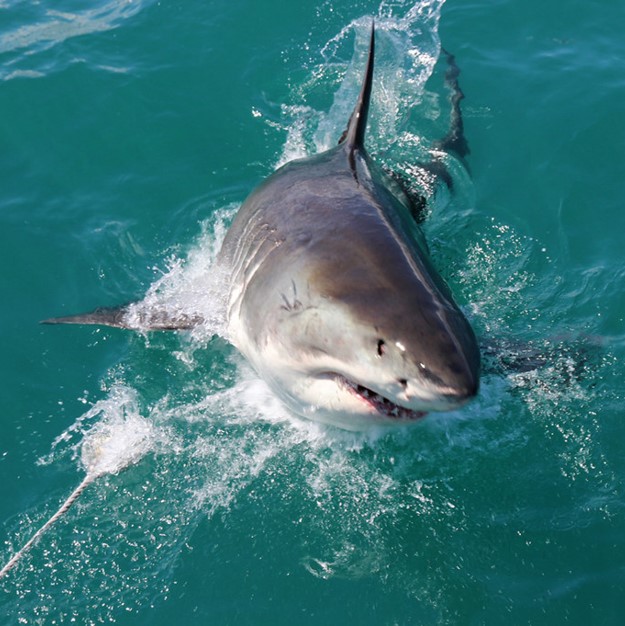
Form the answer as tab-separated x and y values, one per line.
358	335
355	375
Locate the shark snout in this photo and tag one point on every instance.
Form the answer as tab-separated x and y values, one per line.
455	375
447	389
461	382
461	393
460	387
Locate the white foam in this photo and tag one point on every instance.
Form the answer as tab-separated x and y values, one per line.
114	444
194	287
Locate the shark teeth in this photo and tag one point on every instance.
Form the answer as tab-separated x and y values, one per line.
381	404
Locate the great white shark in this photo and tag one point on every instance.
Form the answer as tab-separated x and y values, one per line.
332	295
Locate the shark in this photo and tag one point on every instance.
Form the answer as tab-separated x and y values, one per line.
332	295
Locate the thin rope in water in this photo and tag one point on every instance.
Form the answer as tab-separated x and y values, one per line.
87	480
100	455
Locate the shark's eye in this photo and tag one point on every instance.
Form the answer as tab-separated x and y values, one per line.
381	347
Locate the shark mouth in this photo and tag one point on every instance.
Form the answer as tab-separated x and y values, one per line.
382	405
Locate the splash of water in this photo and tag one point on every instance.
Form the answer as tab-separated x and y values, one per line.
120	439
407	48
195	286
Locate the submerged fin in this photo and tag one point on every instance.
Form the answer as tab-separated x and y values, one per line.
454	141
568	357
354	135
131	317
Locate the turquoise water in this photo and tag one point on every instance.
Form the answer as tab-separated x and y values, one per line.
129	134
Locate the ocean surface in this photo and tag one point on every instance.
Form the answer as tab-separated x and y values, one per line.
130	133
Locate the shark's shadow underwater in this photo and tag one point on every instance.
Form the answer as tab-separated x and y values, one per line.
332	295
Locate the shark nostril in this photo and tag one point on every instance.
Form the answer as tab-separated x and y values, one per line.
403	382
381	347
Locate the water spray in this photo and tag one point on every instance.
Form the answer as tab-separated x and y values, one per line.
108	448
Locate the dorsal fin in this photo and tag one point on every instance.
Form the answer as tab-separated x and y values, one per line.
354	136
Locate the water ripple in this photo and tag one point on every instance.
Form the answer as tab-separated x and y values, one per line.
36	29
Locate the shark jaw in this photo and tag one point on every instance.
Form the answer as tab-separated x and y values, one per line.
385	407
338	400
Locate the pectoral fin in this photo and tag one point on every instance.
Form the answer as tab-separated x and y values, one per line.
131	317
